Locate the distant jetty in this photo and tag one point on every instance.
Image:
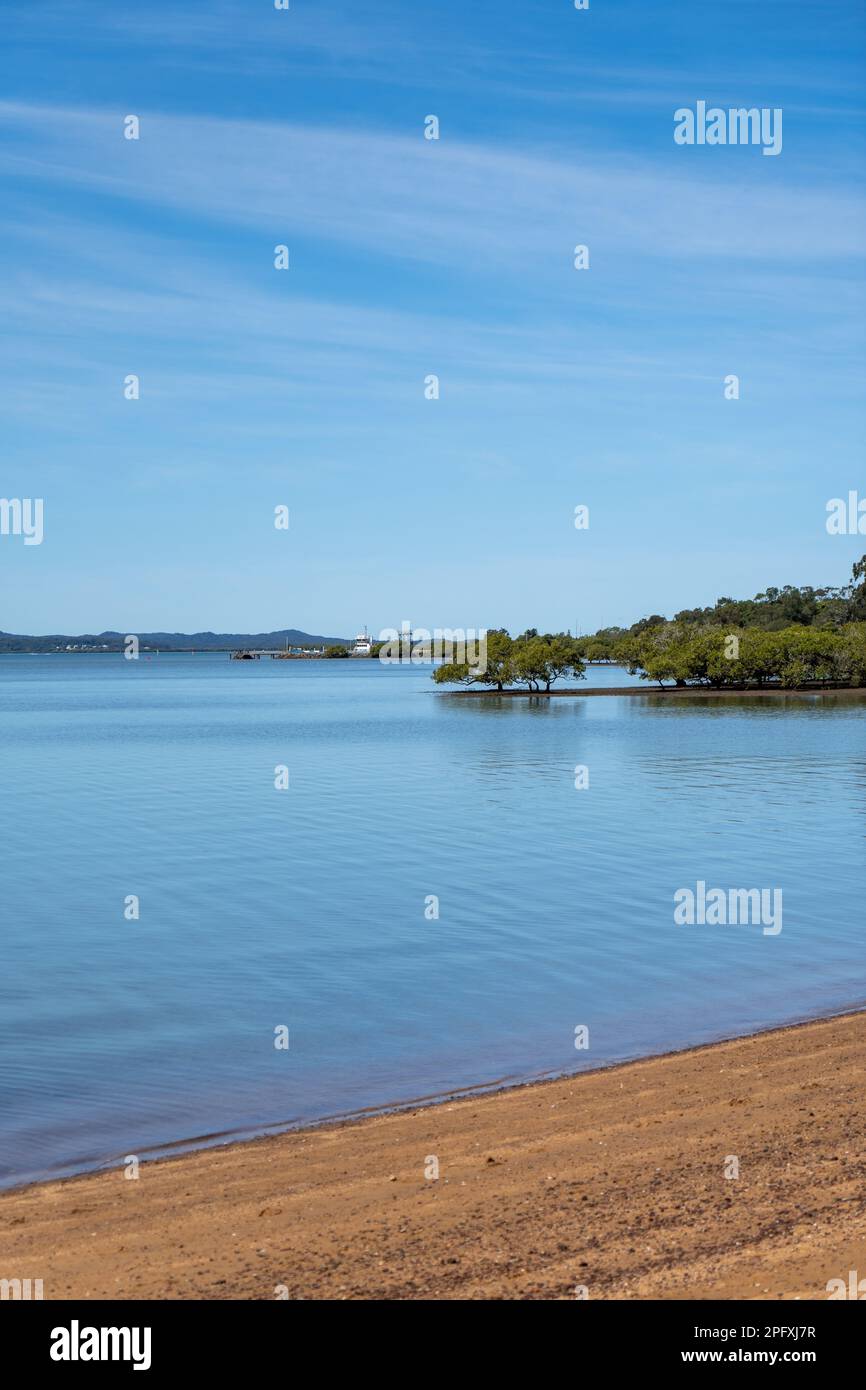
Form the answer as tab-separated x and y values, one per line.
293	654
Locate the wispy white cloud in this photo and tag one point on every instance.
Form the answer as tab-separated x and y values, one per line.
168	267
463	204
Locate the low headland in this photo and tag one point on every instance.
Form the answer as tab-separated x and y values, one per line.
786	639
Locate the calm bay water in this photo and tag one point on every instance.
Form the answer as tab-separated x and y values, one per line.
306	908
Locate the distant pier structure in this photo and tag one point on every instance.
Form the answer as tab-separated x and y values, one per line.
289	654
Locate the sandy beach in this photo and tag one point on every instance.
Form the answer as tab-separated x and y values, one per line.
612	1182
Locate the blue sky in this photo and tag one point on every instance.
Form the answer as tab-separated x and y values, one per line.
412	257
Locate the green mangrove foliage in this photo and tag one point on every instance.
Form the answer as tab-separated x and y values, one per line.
691	654
533	660
786	637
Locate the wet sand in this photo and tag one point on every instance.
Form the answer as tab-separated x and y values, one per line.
612	1182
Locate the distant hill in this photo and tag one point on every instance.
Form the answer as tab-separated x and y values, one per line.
167	641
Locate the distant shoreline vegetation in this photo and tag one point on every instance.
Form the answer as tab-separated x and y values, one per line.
788	638
113	642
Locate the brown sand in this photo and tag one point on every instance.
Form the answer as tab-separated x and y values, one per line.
613	1180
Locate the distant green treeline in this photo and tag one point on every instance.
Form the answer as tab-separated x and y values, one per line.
790	637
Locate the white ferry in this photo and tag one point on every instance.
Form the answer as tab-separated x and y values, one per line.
363	645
